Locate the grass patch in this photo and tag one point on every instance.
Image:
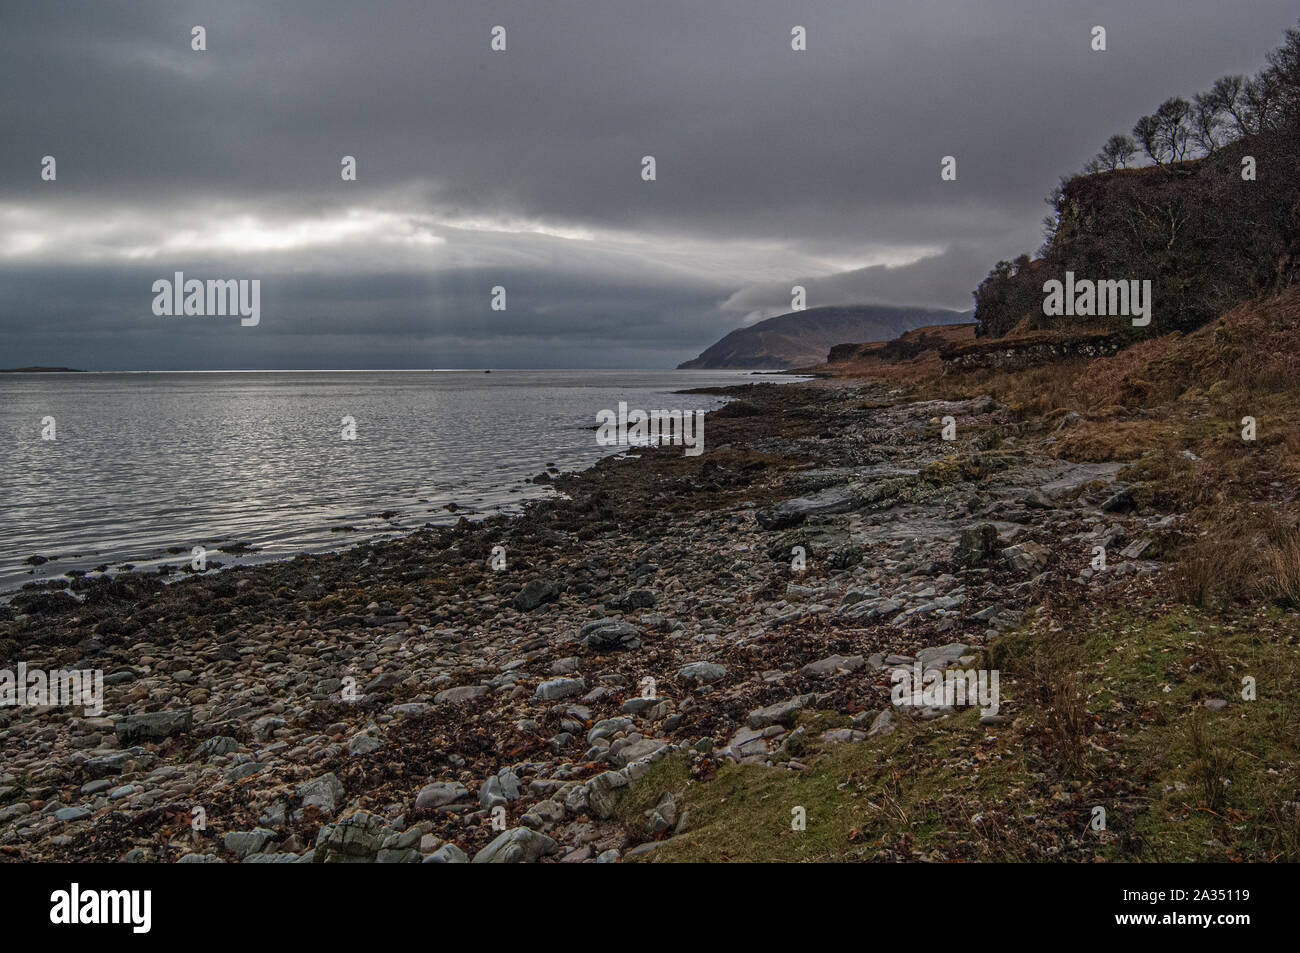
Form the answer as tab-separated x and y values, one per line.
1108	710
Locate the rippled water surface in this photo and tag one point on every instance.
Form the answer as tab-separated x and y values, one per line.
144	463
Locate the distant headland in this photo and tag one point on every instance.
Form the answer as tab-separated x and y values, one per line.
36	369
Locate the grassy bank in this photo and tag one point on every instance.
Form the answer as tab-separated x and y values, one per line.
1108	711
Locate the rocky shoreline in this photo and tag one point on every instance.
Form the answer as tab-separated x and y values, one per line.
404	701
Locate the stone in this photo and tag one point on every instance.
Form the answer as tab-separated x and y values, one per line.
323	793
663	816
115	762
534	593
603	792
243	843
356	838
264	728
218	745
565	666
608	726
652	709
440	793
834	665
153	726
279	857
839	499
840	735
1027	557
781	713
883	725
402	855
447	854
364	744
703	673
460	694
543	815
519	845
609	634
499	789
941	656
645	748
1135	549
557	688
976	545
382	681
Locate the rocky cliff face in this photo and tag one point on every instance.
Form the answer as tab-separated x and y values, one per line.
1205	237
1014	353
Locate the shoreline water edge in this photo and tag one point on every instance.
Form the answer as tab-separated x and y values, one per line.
495	689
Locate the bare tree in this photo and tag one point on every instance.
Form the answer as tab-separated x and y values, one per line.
1261	96
1228	91
1171	126
1284	72
1147	133
1207	114
1118	151
1051	223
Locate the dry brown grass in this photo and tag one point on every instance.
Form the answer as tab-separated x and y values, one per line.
1056	691
1113	440
1281	564
1249	355
1239	554
1119	380
1203	574
1031	391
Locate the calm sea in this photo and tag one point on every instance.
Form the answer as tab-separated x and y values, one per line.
144	463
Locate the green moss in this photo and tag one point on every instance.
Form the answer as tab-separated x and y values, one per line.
1151	754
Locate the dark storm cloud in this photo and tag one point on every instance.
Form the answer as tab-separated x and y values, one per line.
522	169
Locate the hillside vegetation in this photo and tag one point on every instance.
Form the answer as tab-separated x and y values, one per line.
1209	232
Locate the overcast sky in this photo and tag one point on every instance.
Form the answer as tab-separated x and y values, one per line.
523	168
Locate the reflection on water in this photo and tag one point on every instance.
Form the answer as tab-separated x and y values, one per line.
144	463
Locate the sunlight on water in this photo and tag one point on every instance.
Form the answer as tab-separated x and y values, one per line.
144	463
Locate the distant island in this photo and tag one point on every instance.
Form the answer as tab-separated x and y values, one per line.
36	369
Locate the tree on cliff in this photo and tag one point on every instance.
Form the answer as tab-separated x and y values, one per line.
1207	235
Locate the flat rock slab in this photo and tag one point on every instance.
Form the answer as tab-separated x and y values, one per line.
834	665
153	726
461	694
837	499
557	688
645	748
1073	476
779	713
610	634
702	672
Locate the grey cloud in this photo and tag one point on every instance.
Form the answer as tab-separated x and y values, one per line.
830	155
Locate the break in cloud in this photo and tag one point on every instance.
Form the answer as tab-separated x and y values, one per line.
522	168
